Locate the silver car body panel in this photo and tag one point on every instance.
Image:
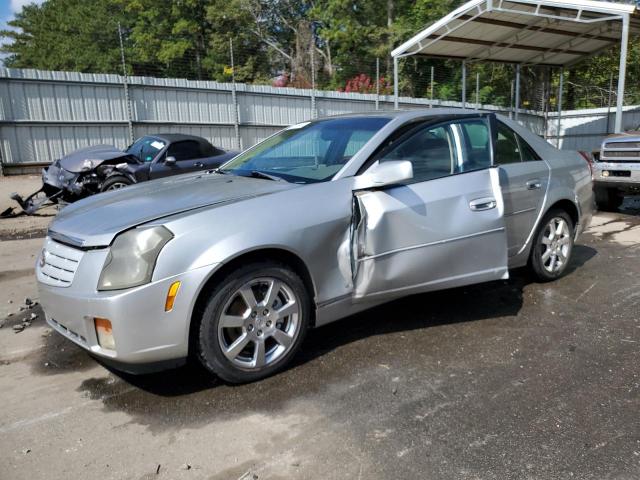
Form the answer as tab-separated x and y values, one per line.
427	236
359	247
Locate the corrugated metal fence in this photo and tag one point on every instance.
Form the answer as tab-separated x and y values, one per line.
44	115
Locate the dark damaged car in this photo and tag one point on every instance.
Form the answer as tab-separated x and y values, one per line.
104	167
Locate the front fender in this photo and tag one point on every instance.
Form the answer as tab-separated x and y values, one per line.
310	222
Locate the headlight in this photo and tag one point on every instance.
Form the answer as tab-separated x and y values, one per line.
132	258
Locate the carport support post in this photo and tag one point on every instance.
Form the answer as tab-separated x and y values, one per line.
395	83
431	92
464	84
314	108
517	104
609	103
234	98
559	120
622	70
125	82
377	83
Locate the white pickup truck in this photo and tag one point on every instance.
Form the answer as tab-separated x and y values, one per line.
616	171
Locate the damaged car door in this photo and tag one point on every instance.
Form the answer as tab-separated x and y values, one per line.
442	228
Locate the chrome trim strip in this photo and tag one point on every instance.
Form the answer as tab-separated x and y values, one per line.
532	209
331	301
543	206
65	239
430	244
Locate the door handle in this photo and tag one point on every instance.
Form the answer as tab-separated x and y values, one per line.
534	184
198	164
483	204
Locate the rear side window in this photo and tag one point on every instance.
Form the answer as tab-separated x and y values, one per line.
507	148
528	153
185	150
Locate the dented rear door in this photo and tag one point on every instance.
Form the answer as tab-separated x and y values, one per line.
438	233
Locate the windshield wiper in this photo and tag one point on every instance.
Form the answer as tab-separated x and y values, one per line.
266	176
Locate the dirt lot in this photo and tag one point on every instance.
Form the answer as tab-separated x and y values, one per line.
512	379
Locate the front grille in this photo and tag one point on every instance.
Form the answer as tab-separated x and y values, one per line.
620	156
58	264
609	145
615	153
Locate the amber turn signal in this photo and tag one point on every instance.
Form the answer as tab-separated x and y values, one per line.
104	332
171	296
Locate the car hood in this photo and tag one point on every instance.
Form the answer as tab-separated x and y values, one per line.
96	220
89	158
631	136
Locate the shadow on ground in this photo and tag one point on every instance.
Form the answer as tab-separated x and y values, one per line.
338	352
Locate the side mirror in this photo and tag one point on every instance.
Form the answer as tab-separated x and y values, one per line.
384	174
170	161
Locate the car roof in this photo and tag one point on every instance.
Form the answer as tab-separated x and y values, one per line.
177	137
407	113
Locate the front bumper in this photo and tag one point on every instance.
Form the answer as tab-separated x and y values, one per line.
624	176
143	332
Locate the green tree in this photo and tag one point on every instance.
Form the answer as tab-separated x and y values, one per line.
65	35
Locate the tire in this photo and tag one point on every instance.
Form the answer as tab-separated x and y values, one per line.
608	198
115	182
260	336
560	245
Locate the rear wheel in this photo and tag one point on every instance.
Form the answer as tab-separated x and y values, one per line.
608	198
115	182
553	246
254	322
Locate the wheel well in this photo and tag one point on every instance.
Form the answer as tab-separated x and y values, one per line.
569	207
275	254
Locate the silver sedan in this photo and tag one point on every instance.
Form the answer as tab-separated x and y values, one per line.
317	222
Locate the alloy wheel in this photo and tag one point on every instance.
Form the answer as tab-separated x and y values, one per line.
556	242
259	323
116	186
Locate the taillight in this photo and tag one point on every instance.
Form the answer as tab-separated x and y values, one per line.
589	159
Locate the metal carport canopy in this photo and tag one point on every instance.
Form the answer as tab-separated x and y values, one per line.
528	32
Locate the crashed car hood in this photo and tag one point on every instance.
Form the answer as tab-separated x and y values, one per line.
96	220
89	158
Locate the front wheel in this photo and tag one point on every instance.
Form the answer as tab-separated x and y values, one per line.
115	182
553	246
254	322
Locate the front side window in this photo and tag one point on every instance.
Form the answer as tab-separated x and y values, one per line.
431	151
309	152
439	150
476	144
184	150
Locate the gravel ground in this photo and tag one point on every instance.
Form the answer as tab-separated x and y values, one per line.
510	379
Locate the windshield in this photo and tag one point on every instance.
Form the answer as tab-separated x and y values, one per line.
146	148
308	152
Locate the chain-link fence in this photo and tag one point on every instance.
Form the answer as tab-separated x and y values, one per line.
309	65
254	72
